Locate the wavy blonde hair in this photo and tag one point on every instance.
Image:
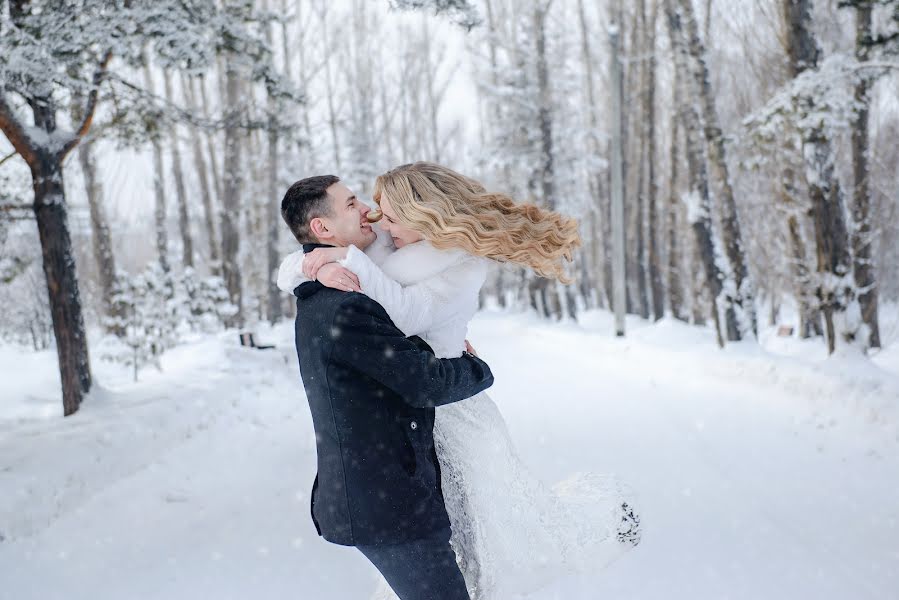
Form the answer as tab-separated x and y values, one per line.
453	211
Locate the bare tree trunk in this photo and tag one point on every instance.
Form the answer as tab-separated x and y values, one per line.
100	236
431	93
653	259
310	162
861	202
699	212
836	286
631	184
329	84
597	212
809	315
675	207
160	212
211	142
62	282
744	297
187	242
232	188
203	177
641	159
546	174
273	204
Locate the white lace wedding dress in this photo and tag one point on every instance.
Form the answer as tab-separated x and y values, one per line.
511	533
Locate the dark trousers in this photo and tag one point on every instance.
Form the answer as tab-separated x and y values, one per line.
423	569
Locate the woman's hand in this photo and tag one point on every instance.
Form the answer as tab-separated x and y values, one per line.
337	277
315	260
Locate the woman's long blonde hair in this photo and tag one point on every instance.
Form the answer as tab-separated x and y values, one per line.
453	211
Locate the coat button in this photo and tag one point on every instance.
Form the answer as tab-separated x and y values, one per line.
413	425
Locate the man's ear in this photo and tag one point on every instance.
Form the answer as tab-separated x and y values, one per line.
320	229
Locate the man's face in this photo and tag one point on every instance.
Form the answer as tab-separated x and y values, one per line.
347	223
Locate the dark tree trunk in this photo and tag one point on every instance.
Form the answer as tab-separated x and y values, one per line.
861	202
62	281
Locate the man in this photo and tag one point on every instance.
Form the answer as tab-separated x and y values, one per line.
372	394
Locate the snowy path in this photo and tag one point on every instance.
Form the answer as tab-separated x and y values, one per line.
759	476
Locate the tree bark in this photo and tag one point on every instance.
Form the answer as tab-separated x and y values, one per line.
100	236
62	282
203	177
159	212
329	85
675	207
211	142
835	287
700	210
732	238
597	264
187	242
232	188
551	303
653	259
865	280
273	204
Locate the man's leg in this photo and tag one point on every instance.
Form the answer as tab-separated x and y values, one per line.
422	569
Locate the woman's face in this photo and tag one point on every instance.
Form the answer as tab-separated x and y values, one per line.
401	234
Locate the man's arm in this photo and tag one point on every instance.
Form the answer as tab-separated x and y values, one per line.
368	342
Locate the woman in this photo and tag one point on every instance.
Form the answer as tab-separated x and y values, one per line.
511	534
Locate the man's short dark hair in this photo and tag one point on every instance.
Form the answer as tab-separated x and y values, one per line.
305	200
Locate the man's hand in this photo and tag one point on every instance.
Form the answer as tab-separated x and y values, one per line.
337	277
315	260
469	348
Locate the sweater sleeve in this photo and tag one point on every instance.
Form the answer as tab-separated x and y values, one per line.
415	308
290	273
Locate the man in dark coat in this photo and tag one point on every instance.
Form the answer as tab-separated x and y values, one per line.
372	394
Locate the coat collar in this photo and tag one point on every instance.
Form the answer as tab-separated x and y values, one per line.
307	288
307	248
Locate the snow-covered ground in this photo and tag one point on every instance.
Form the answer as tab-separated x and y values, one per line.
762	472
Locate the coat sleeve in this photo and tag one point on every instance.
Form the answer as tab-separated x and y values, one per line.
414	308
366	341
290	273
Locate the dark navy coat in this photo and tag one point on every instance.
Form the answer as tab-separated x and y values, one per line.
372	394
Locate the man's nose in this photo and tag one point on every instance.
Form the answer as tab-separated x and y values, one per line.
364	210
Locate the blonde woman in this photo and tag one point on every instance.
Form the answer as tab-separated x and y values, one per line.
438	231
